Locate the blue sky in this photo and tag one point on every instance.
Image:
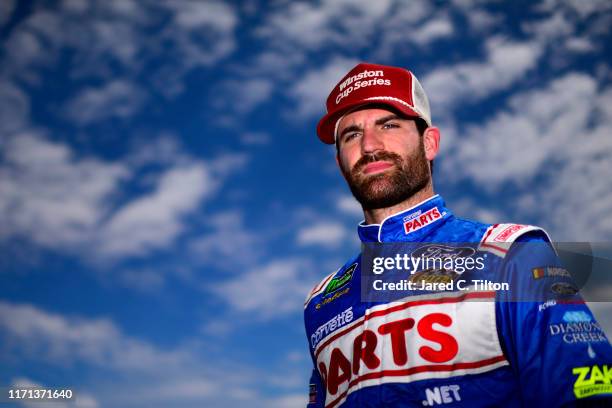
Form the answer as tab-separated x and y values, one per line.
165	203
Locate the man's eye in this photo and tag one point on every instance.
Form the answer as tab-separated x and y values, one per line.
390	126
350	136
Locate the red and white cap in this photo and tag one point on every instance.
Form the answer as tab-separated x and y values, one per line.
373	84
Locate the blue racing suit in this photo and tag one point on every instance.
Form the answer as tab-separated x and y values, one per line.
523	339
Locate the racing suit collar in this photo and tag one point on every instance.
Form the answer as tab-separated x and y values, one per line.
411	224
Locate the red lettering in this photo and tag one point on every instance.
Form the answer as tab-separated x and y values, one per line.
339	371
398	338
422	220
323	372
363	349
448	344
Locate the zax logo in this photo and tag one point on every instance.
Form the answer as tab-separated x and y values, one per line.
592	380
441	395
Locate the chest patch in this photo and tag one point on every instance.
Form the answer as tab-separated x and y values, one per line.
431	336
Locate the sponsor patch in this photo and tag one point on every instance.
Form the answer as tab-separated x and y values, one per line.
578	332
432	336
546	305
341	281
563	289
574	316
331	325
446	394
333	297
312	394
434	276
415	222
593	380
507	232
550	272
442	251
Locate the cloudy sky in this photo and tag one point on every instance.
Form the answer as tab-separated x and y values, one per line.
165	204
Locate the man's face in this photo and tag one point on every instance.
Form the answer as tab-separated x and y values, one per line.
382	157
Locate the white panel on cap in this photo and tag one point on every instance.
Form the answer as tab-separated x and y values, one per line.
421	103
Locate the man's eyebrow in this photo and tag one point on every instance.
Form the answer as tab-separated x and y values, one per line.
388	118
378	122
348	129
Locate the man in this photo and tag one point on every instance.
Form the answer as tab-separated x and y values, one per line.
532	341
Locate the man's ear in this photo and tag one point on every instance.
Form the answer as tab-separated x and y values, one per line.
340	165
431	141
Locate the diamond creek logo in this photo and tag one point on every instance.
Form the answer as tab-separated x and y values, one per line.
341	281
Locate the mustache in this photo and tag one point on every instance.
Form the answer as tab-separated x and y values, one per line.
370	158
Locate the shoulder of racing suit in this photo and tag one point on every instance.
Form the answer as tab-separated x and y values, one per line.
320	287
498	238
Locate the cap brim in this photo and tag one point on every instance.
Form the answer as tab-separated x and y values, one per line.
327	125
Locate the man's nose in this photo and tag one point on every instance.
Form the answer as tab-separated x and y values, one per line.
371	141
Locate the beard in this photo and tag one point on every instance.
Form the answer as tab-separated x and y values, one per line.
407	177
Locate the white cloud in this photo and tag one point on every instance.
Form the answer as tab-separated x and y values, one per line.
559	134
579	8
24	48
226	163
242	96
199	34
218	247
296	356
255	138
294	31
14	107
63	340
409	29
467	207
155	220
274	63
349	205
183	376
467	82
432	30
569	27
289	401
6	10
330	23
116	98
539	126
273	290
144	279
194	14
187	375
311	89
49	195
327	234
196	388
163	149
551	28
482	20
78	204
579	45
103	37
